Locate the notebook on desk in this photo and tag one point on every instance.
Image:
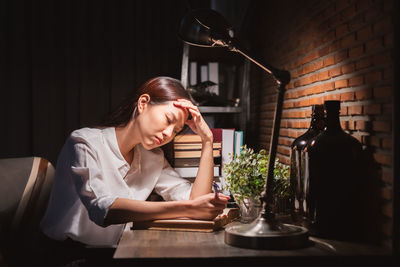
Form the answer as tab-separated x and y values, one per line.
184	224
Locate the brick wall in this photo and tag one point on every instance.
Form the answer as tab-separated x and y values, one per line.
341	50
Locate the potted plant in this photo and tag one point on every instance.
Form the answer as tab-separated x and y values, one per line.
245	179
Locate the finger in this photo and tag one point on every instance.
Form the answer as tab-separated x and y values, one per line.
223	196
219	202
185	104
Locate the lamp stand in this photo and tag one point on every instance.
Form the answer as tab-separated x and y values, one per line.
266	232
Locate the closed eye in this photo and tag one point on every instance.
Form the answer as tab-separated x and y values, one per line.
168	120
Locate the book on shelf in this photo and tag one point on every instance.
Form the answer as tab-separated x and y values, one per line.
193	73
193	153
187	172
213	77
204	73
194	146
238	142
185	224
192	162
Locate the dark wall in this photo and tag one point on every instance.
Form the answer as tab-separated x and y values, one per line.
65	64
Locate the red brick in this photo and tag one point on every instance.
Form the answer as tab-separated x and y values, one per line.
354	110
363	63
343	111
331	97
372	14
342	30
349	12
388	73
363	4
324	51
356	81
383	159
381	59
364	94
384	25
341	83
374	141
387	143
388	40
383	92
387	230
341	4
364	34
348	68
387	209
356	22
373	45
329	61
348	41
334	47
387	177
387	109
328	86
356	51
362	125
381	126
386	193
339	57
318	65
373	77
374	109
351	125
335	72
347	96
344	125
324	75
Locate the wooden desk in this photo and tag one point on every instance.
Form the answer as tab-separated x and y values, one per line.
152	246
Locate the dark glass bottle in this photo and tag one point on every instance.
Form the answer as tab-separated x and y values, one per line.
297	166
334	166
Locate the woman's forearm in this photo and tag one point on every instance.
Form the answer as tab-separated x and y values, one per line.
127	210
205	174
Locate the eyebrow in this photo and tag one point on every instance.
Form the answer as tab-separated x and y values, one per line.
175	120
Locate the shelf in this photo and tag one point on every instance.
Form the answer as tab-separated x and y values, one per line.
211	109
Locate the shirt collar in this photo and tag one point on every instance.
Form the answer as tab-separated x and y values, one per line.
110	138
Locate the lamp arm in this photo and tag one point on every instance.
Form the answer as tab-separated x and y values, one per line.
282	77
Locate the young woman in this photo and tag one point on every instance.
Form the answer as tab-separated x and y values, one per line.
104	175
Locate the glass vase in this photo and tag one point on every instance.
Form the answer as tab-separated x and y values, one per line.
298	182
249	209
334	173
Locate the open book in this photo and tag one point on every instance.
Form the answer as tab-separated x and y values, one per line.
184	224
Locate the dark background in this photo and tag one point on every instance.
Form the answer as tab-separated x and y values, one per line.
66	64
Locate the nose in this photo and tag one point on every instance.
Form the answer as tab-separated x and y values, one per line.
168	132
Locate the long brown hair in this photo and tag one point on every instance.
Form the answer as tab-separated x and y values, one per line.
160	90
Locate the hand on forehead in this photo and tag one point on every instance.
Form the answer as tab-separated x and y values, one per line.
184	104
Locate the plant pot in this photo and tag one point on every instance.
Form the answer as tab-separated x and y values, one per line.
249	209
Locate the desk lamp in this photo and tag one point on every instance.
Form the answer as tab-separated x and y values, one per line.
208	28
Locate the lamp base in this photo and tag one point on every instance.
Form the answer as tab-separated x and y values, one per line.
261	234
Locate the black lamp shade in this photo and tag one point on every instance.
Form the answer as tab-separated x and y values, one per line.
204	27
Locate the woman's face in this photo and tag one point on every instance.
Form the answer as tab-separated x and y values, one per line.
159	124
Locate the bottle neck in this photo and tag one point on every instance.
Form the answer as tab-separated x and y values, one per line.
332	122
317	123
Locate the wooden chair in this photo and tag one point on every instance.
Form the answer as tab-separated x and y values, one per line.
25	185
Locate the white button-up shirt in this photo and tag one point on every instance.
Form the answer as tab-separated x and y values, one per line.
91	173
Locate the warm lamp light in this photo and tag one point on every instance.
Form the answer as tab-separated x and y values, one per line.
207	28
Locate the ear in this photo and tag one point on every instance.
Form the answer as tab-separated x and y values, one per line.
143	102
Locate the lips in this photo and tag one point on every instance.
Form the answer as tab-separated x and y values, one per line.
159	140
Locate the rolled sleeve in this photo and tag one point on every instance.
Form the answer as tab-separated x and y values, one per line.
171	186
90	184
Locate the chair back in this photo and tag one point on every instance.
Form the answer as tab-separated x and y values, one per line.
25	185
